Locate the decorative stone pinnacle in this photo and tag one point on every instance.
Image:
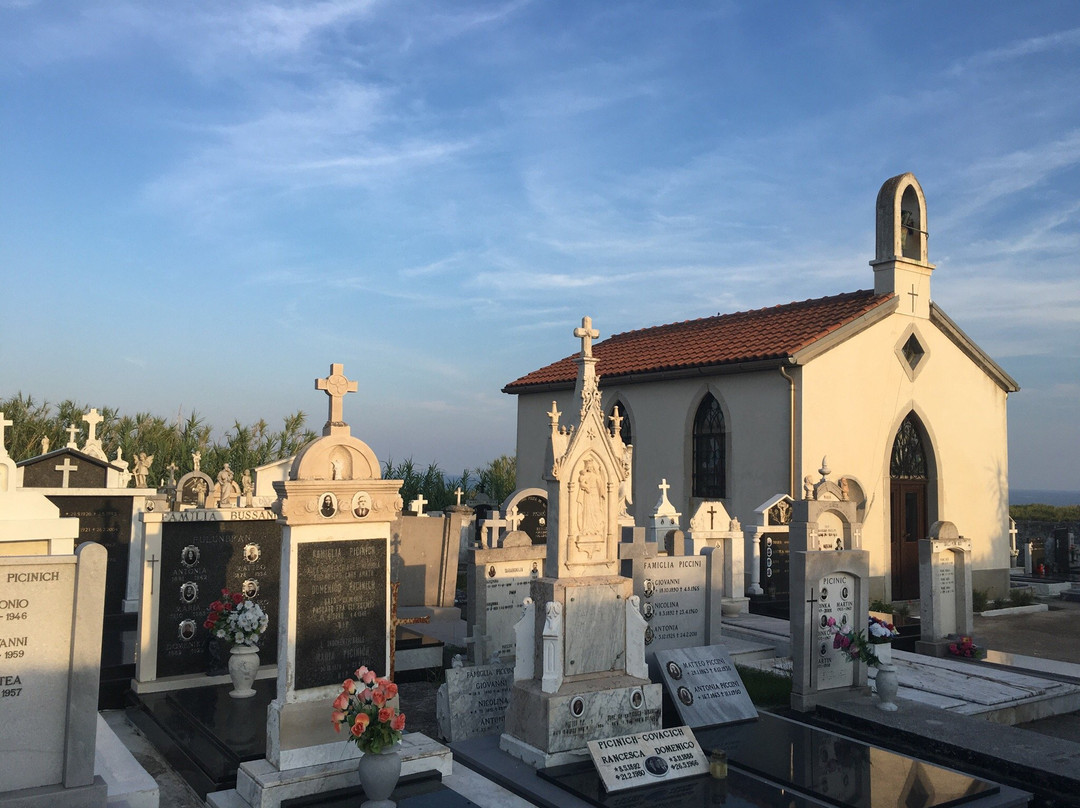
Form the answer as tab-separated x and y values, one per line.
825	471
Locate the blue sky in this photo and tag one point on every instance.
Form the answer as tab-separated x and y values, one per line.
203	204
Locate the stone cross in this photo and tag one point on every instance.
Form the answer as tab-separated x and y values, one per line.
336	386
72	432
914	296
616	422
417	505
493	524
513	518
586	334
93	418
4	423
67	468
664	487
712	517
172	468
457	493
634	550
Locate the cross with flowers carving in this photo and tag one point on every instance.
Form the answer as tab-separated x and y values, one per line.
336	386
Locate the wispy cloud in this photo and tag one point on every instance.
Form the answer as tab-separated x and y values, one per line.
1060	40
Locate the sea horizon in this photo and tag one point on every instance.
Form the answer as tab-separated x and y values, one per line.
1042	496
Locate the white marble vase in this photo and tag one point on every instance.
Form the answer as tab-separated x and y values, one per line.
243	665
379	775
886	682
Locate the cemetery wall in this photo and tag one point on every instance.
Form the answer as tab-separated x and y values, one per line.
967	443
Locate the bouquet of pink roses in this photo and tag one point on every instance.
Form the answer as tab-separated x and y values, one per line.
363	707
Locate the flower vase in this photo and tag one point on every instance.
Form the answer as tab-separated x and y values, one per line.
886	682
379	774
243	665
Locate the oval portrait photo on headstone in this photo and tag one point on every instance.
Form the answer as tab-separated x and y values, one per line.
189	591
327	505
250	588
685	696
637	698
824	594
186	630
656	765
673	670
361	504
252	552
189	556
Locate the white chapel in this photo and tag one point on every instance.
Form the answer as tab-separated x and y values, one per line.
742	407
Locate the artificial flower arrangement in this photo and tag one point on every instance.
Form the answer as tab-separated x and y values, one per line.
967	648
236	620
362	709
856	644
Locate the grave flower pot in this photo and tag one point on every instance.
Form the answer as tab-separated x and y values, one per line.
243	665
886	682
379	772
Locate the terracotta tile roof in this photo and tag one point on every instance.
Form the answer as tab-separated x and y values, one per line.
745	336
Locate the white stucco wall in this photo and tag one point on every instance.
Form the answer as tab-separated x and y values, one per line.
855	397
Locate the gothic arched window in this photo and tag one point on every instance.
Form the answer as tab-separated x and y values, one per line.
625	432
908	457
710	456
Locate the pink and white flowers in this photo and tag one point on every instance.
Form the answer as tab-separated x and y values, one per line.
364	708
856	644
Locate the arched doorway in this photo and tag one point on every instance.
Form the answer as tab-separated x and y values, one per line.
908	468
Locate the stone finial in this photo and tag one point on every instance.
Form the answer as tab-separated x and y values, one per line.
824	471
616	422
554	414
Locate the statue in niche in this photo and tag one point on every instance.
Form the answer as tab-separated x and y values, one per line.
201	489
141	468
626	487
845	491
337	469
591	514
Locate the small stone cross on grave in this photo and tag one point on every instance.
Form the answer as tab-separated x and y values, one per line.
396	621
712	517
586	334
514	518
92	418
336	387
417	505
634	550
664	487
4	423
67	468
458	493
72	431
492	525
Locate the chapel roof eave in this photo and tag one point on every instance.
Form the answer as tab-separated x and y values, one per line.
738	342
976	354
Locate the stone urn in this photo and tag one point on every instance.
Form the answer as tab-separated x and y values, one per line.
243	665
379	772
887	681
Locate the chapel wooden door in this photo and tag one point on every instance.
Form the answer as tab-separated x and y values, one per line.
908	526
909	469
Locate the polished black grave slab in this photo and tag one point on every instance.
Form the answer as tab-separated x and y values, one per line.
840	770
423	790
737	790
204	733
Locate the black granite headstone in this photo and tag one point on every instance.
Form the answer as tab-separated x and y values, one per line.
198	560
342	610
775	563
84	471
107	521
534	511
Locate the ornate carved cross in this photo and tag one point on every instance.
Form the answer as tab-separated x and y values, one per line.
586	334
336	386
513	518
93	418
